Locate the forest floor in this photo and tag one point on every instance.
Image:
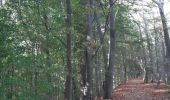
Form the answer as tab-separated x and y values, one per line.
135	89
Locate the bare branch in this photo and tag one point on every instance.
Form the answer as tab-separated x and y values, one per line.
156	2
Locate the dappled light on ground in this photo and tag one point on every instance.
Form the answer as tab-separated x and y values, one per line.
135	89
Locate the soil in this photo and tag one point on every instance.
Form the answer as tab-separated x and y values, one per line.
136	89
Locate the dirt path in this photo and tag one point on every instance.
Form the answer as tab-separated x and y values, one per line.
136	90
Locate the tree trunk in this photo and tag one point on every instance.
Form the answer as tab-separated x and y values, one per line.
97	74
166	34
143	53
88	49
99	32
158	74
68	84
97	65
165	29
149	67
34	75
164	76
124	73
124	62
110	71
104	51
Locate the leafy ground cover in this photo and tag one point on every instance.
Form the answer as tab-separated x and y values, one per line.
135	89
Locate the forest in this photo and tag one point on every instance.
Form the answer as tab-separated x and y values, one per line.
84	50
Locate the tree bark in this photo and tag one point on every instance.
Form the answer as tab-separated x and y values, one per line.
68	84
110	71
105	58
97	64
149	67
143	53
166	34
89	4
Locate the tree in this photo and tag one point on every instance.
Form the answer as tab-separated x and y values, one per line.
160	5
68	84
110	70
88	54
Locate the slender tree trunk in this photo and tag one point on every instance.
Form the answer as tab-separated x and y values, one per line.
68	84
100	35
99	32
97	72
144	54
97	65
124	62
11	90
110	71
89	74
156	50
165	29
124	73
166	34
88	55
158	74
83	71
164	76
34	75
149	69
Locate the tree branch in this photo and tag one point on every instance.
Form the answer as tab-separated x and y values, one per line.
156	2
